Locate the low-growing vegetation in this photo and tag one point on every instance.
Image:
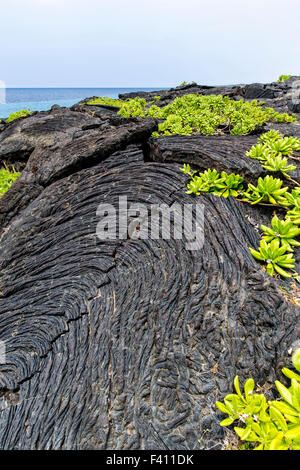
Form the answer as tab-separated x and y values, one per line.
104	101
217	114
18	114
7	178
275	257
259	422
276	248
283	78
199	114
273	151
263	424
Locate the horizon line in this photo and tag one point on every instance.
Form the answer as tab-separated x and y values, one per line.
92	86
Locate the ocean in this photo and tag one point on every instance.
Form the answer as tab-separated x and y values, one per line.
41	99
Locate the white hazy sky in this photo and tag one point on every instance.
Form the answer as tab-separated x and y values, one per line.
115	43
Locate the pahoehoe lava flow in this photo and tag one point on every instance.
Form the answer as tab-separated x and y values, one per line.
126	343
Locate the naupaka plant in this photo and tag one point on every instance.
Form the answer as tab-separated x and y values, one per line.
7	178
276	141
199	114
273	151
276	248
260	152
269	136
210	181
283	230
18	114
268	190
294	213
278	163
266	425
270	151
229	185
283	78
276	257
105	101
284	145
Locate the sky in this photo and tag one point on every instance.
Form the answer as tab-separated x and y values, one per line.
153	43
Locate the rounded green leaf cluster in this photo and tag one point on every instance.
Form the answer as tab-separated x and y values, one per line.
103	100
18	114
210	181
267	425
275	257
283	78
273	151
278	242
7	178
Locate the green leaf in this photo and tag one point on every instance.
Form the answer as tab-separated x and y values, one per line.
270	269
222	407
237	387
281	271
296	360
260	447
226	422
293	432
286	395
256	254
249	387
275	414
285	408
277	441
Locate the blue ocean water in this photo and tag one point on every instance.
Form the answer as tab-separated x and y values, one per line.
41	99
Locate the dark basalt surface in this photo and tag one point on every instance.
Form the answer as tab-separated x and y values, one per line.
69	141
128	343
224	153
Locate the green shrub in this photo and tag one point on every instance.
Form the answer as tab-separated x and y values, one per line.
284	145
267	425
275	257
105	101
7	178
211	181
283	78
18	114
278	163
268	190
279	240
270	149
294	200
133	107
269	136
188	83
283	230
199	114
